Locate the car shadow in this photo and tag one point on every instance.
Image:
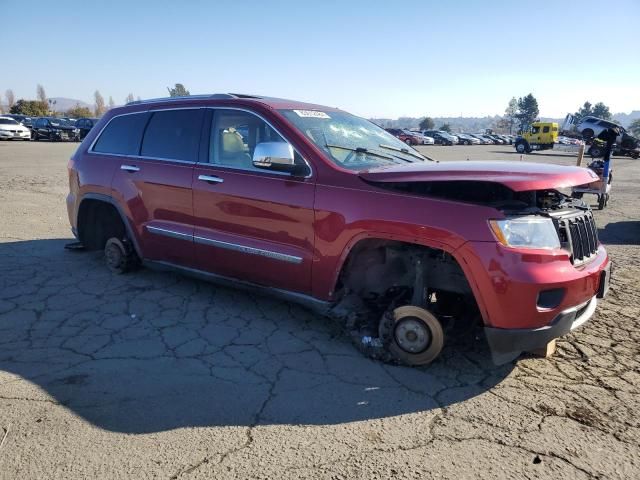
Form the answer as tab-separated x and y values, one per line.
620	233
152	351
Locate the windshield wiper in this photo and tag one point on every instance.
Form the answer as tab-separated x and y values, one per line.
407	151
363	150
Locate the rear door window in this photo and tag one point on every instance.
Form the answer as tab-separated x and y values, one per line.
173	135
122	135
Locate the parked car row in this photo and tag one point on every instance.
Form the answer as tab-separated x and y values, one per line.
441	137
22	127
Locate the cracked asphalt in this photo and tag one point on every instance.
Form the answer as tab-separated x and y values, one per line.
155	375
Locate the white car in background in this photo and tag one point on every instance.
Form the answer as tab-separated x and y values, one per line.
12	130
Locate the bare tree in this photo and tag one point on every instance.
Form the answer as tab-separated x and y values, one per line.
42	96
111	102
129	98
99	100
11	98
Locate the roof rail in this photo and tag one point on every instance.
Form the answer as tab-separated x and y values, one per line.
186	97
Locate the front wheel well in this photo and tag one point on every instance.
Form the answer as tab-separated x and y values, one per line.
97	222
381	274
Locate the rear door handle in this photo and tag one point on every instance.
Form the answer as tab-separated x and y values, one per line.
130	168
210	178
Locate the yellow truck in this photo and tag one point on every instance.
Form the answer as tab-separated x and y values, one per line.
538	136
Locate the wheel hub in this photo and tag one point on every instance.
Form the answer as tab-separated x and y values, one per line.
412	335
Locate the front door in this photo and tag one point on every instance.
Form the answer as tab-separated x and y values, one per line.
252	224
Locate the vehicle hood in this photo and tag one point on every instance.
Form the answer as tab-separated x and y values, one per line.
518	176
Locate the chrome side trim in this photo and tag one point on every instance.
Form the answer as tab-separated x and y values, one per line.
283	257
130	168
169	233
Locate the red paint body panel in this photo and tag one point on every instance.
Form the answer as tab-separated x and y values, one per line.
259	210
506	282
159	195
320	218
518	176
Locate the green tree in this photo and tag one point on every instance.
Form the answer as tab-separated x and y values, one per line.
129	98
178	91
600	110
527	110
634	128
32	108
99	101
446	127
584	111
427	123
78	112
510	114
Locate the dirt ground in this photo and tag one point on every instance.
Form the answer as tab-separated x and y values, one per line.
153	375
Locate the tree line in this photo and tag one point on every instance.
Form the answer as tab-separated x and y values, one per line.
44	106
522	112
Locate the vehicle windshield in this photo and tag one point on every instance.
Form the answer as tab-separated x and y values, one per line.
8	121
58	122
352	142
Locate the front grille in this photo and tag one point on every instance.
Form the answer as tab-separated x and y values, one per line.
580	236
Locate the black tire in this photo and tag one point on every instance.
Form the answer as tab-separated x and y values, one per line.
522	147
587	134
408	141
412	335
119	256
596	151
602	201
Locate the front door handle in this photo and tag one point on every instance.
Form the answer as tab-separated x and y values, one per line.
130	168
210	179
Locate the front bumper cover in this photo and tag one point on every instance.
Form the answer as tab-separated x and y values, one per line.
507	344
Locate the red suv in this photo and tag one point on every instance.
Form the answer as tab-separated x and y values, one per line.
325	208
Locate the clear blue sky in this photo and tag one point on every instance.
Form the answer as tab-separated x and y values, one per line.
373	58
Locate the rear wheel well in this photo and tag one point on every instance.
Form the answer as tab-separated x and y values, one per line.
98	221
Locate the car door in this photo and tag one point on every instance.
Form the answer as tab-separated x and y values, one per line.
152	179
251	224
80	125
41	128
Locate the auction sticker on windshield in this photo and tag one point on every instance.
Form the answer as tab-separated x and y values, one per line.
311	114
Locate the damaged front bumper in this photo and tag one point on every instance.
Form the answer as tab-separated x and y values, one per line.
507	344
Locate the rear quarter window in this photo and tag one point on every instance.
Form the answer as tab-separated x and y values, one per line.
173	135
122	135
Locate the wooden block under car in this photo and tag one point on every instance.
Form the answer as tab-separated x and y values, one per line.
545	352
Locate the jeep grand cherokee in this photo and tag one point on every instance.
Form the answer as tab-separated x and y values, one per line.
319	206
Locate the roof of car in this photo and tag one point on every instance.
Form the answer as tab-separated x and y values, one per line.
272	102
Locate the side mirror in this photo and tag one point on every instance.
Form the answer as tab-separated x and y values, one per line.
276	155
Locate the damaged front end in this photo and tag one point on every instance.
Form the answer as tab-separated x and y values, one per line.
390	290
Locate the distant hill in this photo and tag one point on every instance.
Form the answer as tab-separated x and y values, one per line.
62	104
625	119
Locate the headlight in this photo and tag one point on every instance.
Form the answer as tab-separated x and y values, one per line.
526	232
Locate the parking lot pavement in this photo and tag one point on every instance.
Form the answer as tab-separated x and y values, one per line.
154	375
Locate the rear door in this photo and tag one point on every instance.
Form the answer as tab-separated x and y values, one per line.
154	183
252	224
